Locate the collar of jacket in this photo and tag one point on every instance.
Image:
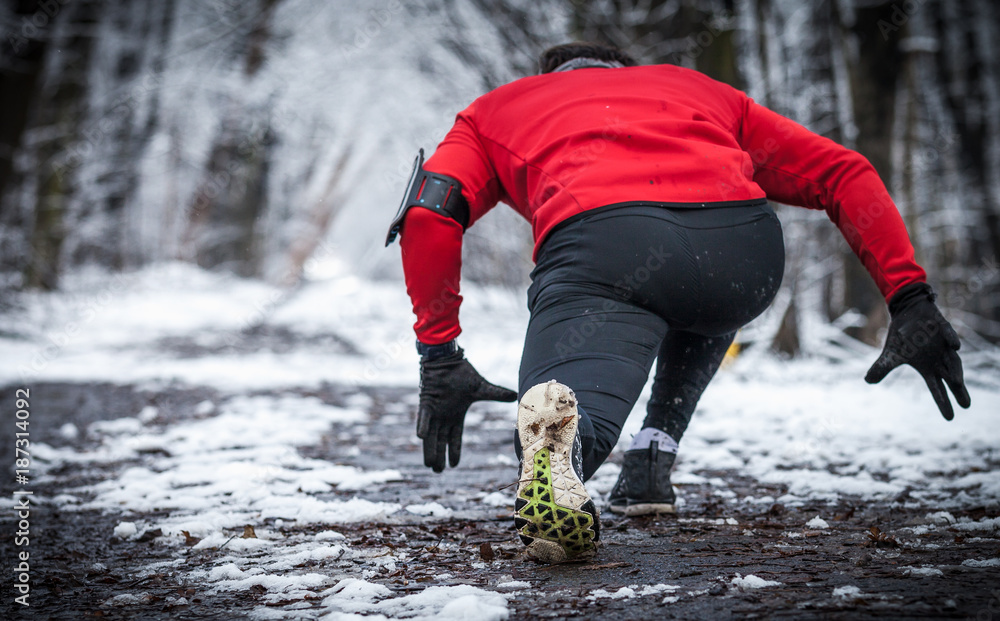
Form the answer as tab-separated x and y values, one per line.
586	63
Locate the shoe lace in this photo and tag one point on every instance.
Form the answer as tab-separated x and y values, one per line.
517	482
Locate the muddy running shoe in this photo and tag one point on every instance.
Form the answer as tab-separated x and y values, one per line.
553	513
643	487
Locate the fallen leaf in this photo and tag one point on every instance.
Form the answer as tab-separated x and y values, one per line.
486	552
188	539
880	539
248	532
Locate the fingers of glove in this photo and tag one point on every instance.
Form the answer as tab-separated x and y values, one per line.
955	379
885	363
491	392
950	336
442	446
936	386
455	446
423	423
431	451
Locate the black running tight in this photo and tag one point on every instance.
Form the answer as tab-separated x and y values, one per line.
616	288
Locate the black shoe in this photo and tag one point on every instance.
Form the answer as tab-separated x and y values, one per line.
643	487
553	513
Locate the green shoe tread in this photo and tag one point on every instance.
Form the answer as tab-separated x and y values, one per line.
570	528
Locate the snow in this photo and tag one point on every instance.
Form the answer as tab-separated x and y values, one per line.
922	571
438	602
985	524
940	517
847	592
990	562
432	509
354	589
810	424
622	593
631	591
750	582
222	472
817	523
498	499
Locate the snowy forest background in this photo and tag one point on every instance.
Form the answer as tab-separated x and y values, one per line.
272	138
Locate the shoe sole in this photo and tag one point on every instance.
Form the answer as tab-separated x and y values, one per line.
554	514
649	508
642	508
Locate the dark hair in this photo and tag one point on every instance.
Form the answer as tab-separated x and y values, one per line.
555	56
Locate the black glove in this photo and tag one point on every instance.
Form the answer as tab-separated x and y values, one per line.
448	386
921	337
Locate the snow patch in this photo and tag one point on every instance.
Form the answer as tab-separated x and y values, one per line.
498	499
357	597
990	562
750	582
817	523
432	509
847	592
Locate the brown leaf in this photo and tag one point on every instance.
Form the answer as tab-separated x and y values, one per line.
248	532
188	539
486	552
880	539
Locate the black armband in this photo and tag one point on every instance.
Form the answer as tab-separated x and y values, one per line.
433	191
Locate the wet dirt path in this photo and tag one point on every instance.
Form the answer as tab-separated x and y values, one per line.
912	566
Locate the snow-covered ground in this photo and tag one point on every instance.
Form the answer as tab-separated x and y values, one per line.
811	426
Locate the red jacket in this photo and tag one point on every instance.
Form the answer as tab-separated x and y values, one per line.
554	145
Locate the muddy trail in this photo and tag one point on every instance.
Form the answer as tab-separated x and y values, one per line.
717	558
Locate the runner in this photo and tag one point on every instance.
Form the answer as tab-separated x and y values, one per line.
646	188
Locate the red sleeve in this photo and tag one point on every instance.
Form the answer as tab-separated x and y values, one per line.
432	243
432	265
798	167
461	155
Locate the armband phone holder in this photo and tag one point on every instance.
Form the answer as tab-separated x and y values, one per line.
433	191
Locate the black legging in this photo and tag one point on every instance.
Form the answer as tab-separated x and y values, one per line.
617	287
